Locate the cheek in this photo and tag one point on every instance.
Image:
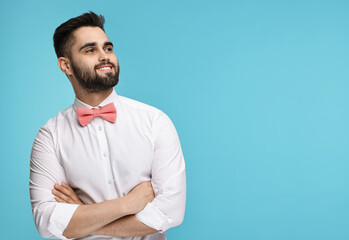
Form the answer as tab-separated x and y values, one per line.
114	59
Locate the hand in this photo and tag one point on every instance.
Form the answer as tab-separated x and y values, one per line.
65	194
139	197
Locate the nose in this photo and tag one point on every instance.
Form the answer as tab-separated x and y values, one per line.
103	57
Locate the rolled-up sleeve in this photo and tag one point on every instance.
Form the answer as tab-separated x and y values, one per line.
51	218
168	179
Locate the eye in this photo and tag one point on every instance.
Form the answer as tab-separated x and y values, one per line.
89	50
108	49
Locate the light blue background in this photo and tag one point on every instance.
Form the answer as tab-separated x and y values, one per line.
258	92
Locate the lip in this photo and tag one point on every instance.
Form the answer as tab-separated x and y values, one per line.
107	67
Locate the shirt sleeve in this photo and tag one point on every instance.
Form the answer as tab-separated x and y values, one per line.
51	218
168	179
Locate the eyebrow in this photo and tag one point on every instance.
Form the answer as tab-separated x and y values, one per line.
92	44
89	44
108	43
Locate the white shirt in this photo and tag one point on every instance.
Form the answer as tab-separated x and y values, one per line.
104	161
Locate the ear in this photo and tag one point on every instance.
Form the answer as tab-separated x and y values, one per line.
64	65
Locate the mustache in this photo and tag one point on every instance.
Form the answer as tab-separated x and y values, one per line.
105	63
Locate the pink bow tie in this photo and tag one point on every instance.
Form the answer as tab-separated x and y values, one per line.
107	112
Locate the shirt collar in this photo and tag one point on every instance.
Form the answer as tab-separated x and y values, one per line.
112	98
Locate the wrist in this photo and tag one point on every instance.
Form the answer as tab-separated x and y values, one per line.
129	206
126	206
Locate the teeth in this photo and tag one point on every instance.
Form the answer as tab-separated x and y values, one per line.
104	68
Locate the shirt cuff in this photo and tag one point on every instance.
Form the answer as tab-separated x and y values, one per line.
60	218
154	218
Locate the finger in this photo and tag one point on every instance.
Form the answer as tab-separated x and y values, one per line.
72	193
63	190
62	196
58	199
66	185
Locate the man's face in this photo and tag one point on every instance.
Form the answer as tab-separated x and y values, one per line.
93	61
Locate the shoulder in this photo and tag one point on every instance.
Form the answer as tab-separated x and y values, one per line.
144	111
61	117
138	106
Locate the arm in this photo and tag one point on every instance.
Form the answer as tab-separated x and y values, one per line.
169	184
89	218
60	220
168	179
128	226
65	194
51	218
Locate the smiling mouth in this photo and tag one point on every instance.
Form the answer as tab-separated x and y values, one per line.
105	68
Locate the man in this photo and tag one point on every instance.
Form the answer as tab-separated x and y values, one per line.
107	166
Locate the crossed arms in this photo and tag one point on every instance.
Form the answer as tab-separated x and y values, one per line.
136	214
100	218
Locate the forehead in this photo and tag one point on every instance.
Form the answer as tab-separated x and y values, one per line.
84	35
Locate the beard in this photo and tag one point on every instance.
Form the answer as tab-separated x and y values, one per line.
93	82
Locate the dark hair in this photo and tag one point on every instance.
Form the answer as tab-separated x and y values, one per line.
63	38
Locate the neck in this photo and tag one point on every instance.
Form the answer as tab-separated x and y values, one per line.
92	99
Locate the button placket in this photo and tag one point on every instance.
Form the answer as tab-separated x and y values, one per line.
102	137
104	149
105	157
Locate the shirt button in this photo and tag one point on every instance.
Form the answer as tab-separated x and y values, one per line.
105	154
100	128
110	181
